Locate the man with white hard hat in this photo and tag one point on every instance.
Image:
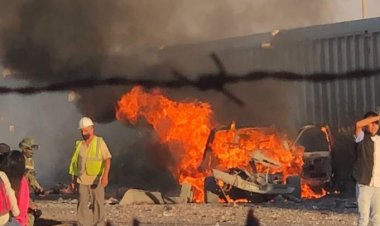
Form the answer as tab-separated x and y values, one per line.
89	167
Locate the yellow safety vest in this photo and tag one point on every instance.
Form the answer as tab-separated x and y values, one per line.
94	159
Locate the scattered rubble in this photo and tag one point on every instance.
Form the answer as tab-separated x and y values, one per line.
59	188
153	208
137	196
280	210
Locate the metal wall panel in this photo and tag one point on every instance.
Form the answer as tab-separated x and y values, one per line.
335	48
340	102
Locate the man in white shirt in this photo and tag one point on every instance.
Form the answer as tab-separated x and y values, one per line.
366	169
89	167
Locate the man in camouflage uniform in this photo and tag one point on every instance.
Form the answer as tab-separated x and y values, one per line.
28	147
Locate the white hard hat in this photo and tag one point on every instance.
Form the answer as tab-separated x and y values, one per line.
85	122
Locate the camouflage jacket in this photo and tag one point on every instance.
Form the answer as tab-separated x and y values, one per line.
31	175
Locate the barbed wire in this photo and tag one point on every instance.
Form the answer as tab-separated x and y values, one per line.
203	82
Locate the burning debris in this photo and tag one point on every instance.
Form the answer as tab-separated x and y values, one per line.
257	163
184	127
317	167
262	162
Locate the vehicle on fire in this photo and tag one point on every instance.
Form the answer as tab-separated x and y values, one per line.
262	185
317	143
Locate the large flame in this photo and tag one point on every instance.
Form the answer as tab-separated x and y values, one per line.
184	127
234	148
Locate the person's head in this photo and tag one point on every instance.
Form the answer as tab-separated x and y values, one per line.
28	146
373	127
86	126
14	167
4	149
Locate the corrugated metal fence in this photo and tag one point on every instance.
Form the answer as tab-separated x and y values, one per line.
333	48
339	102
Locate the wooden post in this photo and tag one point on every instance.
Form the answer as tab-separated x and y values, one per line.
364	3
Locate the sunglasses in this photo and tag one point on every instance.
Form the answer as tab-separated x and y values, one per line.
33	147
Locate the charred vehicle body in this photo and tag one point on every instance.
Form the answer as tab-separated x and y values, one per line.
317	143
264	174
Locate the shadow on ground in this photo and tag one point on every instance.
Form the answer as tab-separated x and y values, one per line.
49	222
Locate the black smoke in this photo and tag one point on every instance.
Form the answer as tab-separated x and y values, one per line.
57	42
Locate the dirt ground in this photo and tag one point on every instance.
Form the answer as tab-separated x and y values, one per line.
326	211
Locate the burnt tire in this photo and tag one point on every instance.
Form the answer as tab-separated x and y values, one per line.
211	190
295	181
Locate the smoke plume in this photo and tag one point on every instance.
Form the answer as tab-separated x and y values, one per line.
48	41
58	40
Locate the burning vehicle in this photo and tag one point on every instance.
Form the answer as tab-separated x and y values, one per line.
317	167
276	165
249	162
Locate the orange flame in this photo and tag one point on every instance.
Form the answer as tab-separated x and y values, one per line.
234	148
309	193
184	127
326	131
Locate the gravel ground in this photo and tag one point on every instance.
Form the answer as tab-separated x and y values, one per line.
326	211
